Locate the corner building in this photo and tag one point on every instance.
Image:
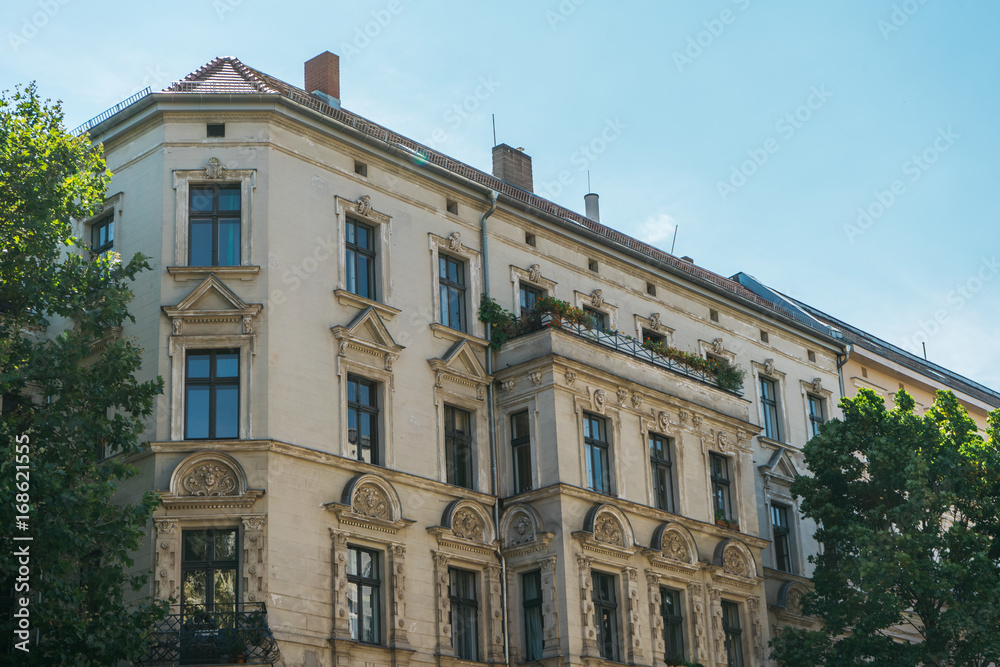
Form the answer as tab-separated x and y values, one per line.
348	467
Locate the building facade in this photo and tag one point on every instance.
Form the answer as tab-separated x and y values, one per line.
348	466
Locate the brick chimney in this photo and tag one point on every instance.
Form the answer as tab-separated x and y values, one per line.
512	165
323	78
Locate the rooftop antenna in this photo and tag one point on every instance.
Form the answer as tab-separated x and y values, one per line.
676	227
588	181
924	344
494	129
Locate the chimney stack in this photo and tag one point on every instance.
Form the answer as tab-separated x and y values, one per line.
512	165
593	210
323	78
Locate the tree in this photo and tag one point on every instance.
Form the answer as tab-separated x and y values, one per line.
909	514
70	394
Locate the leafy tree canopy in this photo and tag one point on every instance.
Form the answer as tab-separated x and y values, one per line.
909	514
69	391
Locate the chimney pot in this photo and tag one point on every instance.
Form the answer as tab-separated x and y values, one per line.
323	77
513	165
593	208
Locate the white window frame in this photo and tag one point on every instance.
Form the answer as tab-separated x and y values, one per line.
473	286
381	223
177	350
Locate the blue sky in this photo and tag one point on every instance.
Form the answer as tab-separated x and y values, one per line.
843	153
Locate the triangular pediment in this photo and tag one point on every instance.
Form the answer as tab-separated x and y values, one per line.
780	465
461	360
212	301
367	330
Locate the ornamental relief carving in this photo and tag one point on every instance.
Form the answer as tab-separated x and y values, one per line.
675	548
793	603
521	531
369	500
210	479
466	524
608	530
733	563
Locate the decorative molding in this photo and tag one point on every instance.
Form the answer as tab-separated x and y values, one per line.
467	526
371	502
597	298
570	378
209	480
368	336
607	532
522	532
461	366
599	400
227	307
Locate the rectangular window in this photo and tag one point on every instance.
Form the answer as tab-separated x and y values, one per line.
721	502
734	633
531	592
769	403
782	541
673	624
214	238
653	337
596	444
209	561
464	614
458	446
212	394
606	615
520	445
364	581
529	297
362	419
360	249
817	414
102	235
451	288
663	475
600	318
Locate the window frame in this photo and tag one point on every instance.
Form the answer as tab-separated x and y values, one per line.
609	647
373	410
177	349
451	439
470	605
815	420
528	289
183	180
453	247
210	565
531	278
363	582
214	217
353	252
213	382
733	634
532	607
672	622
460	289
782	534
663	464
721	486
770	409
103	221
602	448
520	454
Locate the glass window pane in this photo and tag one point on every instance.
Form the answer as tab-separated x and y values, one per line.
200	243
519	425
229	242
194	546
353	607
369	610
225	586
366	564
227	364
201	199
455	309
229	199
443	297
195	587
227	414
363	277
198	365
442	267
196	417
352	561
225	545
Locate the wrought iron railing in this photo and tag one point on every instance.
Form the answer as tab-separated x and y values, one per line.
221	634
617	341
112	111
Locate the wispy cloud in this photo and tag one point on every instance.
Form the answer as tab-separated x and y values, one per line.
657	230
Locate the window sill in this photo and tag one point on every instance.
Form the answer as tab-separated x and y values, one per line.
185	273
352	300
454	335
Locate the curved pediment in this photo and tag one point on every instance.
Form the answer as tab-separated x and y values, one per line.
209	480
674	542
521	529
370	501
735	559
607	530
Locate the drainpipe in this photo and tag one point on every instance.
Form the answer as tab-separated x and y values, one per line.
494	478
841	364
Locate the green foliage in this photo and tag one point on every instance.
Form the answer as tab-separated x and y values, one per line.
909	514
68	384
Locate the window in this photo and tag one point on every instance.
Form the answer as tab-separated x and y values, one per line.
360	168
458	446
733	632
596	443
763	337
360	255
769	404
663	476
451	288
520	445
606	615
362	419
812	356
592	264
673	624
464	614
653	338
212	394
102	235
363	598
531	593
529	238
817	414
451	206
215	225
782	543
215	129
529	297
650	289
721	502
713	314
600	318
209	561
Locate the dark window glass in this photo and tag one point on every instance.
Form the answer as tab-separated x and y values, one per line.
782	543
362	419
209	561
212	397
600	318
769	402
464	614
596	443
360	247
364	581
606	615
451	285
720	487
663	475
531	591
214	236
520	445
733	632
817	414
458	446
529	296
102	234
673	624
653	337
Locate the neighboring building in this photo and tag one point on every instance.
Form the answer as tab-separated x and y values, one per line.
337	442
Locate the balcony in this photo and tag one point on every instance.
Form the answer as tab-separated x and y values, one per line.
222	634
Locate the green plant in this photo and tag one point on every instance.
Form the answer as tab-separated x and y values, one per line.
728	375
720	515
502	322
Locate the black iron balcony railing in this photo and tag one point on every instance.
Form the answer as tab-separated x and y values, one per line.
220	634
615	340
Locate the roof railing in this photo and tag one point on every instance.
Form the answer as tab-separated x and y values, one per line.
112	111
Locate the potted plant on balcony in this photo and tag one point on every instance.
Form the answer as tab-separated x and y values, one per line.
722	520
